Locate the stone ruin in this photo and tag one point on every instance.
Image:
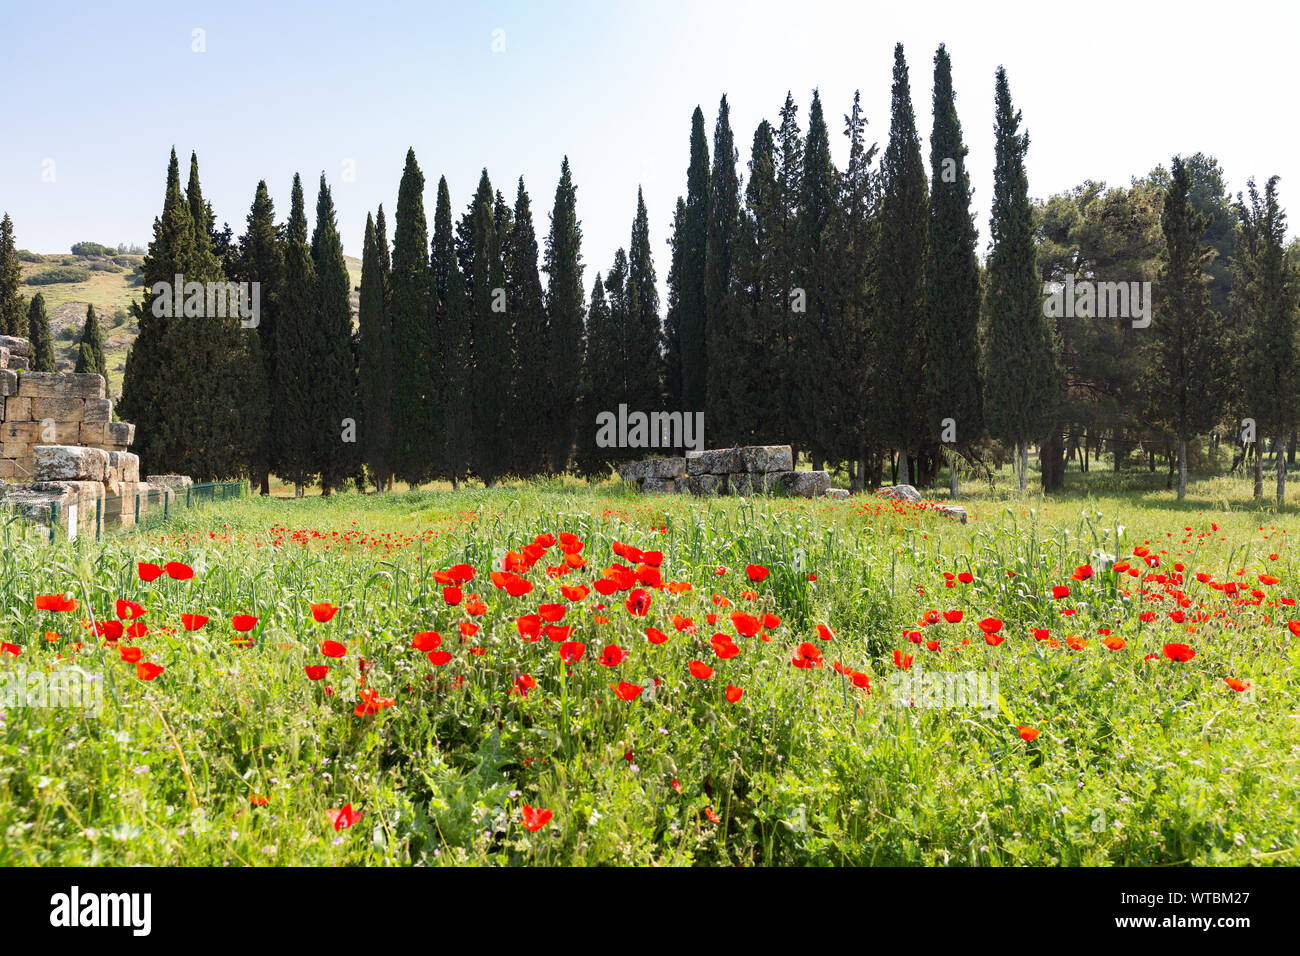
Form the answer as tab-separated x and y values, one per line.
59	446
751	470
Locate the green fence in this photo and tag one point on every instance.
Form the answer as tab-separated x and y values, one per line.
145	510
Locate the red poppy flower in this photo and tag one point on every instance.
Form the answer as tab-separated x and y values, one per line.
756	572
147	671
558	632
468	628
424	641
1060	591
1114	643
323	612
733	694
192	622
138	629
701	670
109	630
1235	684
993	640
902	661
550	612
130	654
13	650
535	818
148	572
1082	573
333	649
438	658
708	812
612	656
747	625
638	602
342	819
571	651
1028	734
1179	652
128	610
655	636
965	577
771	621
626	691
525	683
178	571
806	655
824	632
55	602
990	625
572	593
953	617
317	671
724	647
529	627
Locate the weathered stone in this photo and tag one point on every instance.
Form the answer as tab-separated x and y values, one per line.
58	409
718	461
98	410
652	468
904	492
121	433
753	483
804	484
38	433
17	409
174	482
15	345
4	357
956	512
17	362
125	465
837	493
61	385
706	484
654	485
8	382
766	458
70	463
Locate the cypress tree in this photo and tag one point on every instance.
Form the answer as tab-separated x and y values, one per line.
897	385
260	260
564	313
1023	377
295	365
456	353
13	310
1188	370
645	392
413	436
38	327
813	274
952	281
671	344
376	368
490	328
724	211
335	443
526	421
598	383
785	340
149	363
90	349
1266	303
692	297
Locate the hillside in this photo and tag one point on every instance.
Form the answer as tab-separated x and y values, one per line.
111	283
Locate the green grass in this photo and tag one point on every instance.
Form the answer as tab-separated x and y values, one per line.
1138	762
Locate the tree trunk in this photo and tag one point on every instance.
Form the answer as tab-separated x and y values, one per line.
1022	465
817	462
904	469
297	489
1182	468
1281	474
952	474
1259	471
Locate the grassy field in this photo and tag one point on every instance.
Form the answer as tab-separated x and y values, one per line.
112	293
1079	739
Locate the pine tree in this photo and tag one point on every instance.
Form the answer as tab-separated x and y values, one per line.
376	367
598	384
413	434
90	346
260	260
38	327
1265	293
813	274
564	313
526	422
489	324
335	408
645	391
691	305
1023	377
291	414
952	281
456	352
1188	364
724	417
142	384
13	310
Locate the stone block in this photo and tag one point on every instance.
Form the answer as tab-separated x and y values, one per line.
121	433
15	345
837	493
59	409
753	483
8	382
173	482
17	409
766	458
70	463
804	484
904	492
61	385
125	465
98	410
17	363
718	461
663	486
706	484
36	433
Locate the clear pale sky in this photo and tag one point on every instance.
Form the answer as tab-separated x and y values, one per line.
1108	90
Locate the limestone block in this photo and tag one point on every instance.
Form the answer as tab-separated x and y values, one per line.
70	463
15	345
766	458
8	382
99	410
36	433
17	409
804	484
61	385
59	409
718	461
706	484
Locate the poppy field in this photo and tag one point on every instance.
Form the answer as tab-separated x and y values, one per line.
551	677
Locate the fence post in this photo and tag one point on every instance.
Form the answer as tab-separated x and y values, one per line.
54	519
164	504
187	497
99	517
137	507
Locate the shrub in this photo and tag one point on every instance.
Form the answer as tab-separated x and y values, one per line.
59	274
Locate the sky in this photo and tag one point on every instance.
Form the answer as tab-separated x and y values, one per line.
97	95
